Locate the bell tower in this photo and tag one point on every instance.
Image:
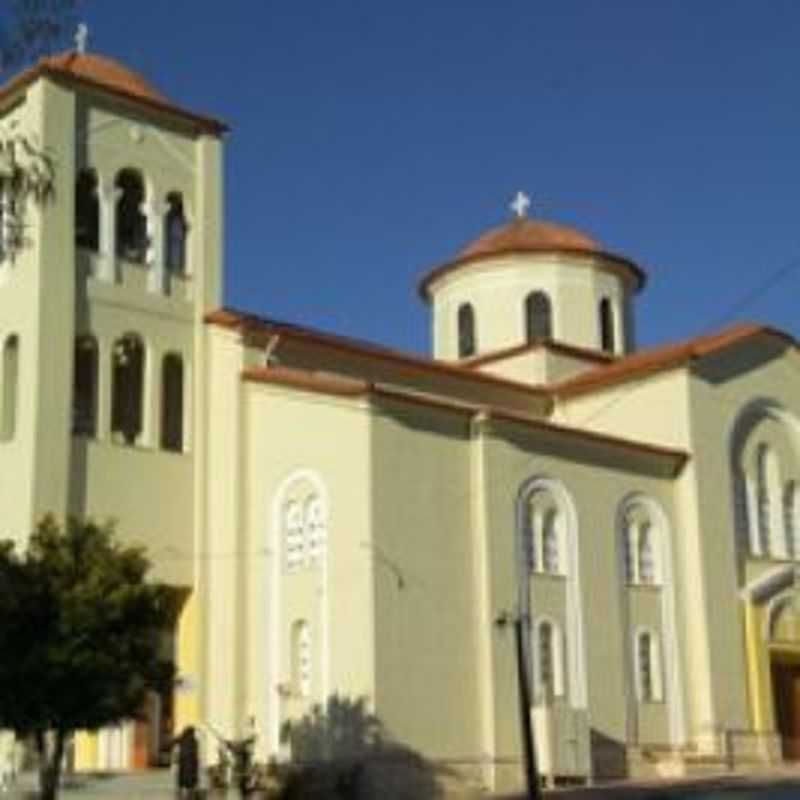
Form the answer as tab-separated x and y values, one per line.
110	256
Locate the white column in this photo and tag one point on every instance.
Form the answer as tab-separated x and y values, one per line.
107	195
155	212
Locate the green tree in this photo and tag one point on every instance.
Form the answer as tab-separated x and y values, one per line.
30	29
81	632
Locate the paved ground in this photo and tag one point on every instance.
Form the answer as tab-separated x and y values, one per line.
158	785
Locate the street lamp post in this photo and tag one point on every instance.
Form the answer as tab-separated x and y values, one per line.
524	697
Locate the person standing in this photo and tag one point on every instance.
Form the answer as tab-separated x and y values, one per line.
188	763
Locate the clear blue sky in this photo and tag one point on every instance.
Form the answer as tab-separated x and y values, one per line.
372	139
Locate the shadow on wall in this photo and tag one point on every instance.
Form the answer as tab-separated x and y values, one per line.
609	757
342	750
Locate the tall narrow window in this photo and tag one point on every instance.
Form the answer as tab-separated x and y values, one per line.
607	341
550	543
295	550
531	531
301	658
762	499
128	388
546	661
172	403
87	210
175	231
741	510
131	223
10	387
790	521
466	331
84	387
538	317
644	657
647	561
629	551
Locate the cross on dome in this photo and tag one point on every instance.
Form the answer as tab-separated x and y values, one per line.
520	204
82	37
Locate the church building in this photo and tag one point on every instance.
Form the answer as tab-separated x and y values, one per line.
343	520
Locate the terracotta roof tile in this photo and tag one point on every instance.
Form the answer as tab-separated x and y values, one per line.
646	362
531	235
347	387
535	236
108	75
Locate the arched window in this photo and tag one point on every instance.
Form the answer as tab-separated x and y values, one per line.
10	387
639	554
550	543
647	559
538	317
172	403
306	531
175	232
607	326
127	400
542	535
648	667
87	210
315	528
546	665
548	662
791	508
630	555
302	664
741	507
294	539
131	223
84	387
466	331
763	507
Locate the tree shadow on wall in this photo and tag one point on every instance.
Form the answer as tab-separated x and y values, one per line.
342	750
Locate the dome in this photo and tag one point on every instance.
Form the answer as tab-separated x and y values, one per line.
529	235
103	71
524	235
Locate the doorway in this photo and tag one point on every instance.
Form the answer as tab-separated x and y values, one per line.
786	696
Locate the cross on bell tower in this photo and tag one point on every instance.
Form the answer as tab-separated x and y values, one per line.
82	38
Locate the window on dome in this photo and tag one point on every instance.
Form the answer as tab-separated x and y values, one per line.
607	342
127	400
87	210
538	317
172	403
131	222
466	331
175	234
84	387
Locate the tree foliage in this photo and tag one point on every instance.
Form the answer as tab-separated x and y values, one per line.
81	634
35	28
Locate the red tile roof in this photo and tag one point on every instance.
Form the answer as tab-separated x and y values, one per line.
535	236
647	362
105	73
352	388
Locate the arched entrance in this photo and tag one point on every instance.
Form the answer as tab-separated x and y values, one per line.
784	652
772	632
